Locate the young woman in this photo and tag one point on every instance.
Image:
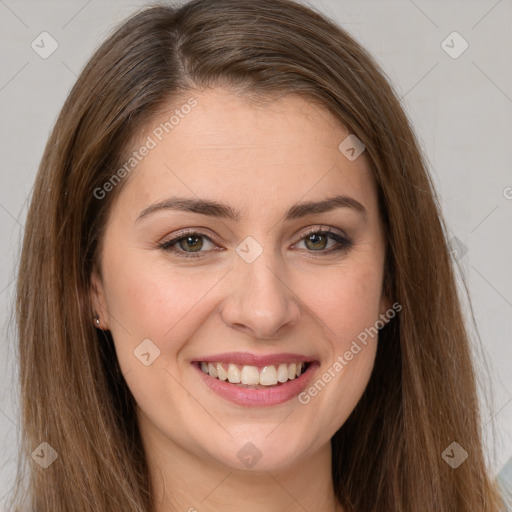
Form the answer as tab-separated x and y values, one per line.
235	291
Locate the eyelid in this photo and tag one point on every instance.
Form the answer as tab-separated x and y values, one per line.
342	242
207	234
324	229
204	232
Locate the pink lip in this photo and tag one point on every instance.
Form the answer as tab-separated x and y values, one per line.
248	397
246	358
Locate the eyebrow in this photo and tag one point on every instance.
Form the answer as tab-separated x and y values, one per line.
224	211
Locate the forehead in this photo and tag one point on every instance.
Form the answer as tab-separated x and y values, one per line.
231	146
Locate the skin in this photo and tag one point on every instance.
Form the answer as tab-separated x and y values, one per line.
261	160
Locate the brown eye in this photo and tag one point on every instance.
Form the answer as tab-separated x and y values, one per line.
188	244
317	241
194	242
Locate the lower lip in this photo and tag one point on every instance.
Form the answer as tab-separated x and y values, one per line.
259	397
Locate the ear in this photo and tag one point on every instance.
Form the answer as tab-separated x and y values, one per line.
98	300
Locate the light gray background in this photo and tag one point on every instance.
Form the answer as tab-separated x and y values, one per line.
461	110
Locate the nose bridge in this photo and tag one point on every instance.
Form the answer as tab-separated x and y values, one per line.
260	300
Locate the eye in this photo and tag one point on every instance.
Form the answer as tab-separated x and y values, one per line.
190	244
317	241
190	240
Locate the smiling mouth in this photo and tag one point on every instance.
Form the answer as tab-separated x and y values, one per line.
254	377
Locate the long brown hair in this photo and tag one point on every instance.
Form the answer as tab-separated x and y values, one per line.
422	393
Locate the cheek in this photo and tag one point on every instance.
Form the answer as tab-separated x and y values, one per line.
347	308
348	301
152	298
148	298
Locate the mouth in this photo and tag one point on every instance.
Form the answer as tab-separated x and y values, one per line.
257	384
254	377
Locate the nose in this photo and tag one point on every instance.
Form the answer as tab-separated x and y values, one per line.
260	303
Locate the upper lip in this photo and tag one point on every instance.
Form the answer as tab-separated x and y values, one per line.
246	358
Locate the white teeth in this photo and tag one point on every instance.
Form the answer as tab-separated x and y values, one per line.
233	374
221	373
282	372
250	375
212	370
268	376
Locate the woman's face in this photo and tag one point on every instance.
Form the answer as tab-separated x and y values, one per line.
249	286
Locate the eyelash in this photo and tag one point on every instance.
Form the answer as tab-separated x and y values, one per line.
344	243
